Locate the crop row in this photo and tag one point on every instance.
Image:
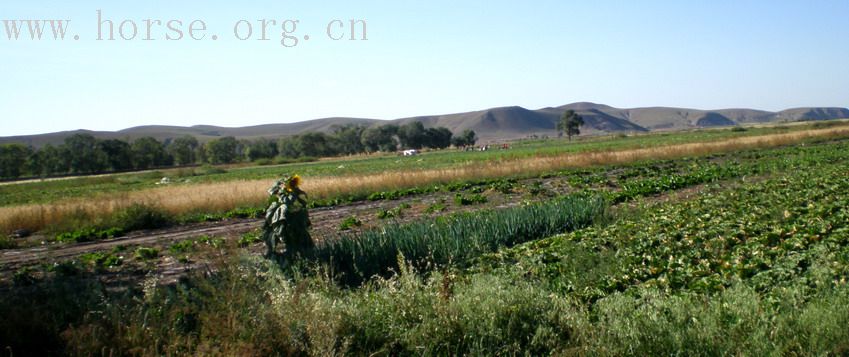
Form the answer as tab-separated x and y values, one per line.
788	231
455	238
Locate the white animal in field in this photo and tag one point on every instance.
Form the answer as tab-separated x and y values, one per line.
411	152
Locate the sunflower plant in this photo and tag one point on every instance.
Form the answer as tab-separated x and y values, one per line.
287	220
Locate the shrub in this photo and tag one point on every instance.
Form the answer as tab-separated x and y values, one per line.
263	162
140	216
7	242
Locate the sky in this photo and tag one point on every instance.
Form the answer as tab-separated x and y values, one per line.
419	58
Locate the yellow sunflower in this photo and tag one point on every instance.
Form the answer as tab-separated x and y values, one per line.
293	183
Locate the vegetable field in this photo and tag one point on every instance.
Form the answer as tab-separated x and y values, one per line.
733	252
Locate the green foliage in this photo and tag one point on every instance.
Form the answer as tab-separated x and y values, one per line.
89	234
245	212
210	241
436	207
250	238
12	160
7	242
350	222
101	260
148	152
465	200
287	220
454	239
181	247
466	138
222	151
570	123
146	253
141	216
791	231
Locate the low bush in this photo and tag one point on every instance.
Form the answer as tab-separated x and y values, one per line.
140	216
466	200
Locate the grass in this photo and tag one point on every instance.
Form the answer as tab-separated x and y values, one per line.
222	196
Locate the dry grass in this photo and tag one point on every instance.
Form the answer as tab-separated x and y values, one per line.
227	195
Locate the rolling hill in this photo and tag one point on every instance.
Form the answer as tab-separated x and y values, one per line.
495	124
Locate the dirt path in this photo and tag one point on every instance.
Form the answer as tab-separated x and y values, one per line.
326	223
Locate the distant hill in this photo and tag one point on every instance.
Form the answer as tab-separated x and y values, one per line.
494	124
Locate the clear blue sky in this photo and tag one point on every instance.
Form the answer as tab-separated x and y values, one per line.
422	57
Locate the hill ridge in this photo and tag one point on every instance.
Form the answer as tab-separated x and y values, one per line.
491	124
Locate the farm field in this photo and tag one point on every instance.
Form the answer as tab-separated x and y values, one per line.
65	205
737	244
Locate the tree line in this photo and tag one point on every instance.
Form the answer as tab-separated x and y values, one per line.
85	154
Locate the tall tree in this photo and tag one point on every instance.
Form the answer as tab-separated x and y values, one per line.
222	151
380	138
347	138
84	155
13	158
286	147
570	123
149	152
467	138
412	135
438	138
314	144
119	154
261	149
54	160
184	149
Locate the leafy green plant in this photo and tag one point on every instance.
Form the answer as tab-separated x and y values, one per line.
350	222
287	220
250	238
7	242
210	241
436	207
465	200
454	239
181	247
101	260
89	234
146	253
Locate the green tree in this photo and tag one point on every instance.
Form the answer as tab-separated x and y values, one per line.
84	155
119	154
412	135
438	138
286	147
261	149
570	123
347	138
13	159
184	149
149	152
314	144
54	160
380	138
222	151
467	138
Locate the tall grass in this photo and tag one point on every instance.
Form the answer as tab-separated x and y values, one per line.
454	239
250	307
227	195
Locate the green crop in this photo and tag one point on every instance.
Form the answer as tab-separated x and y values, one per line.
456	238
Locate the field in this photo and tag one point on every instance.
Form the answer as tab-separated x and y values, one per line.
699	243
